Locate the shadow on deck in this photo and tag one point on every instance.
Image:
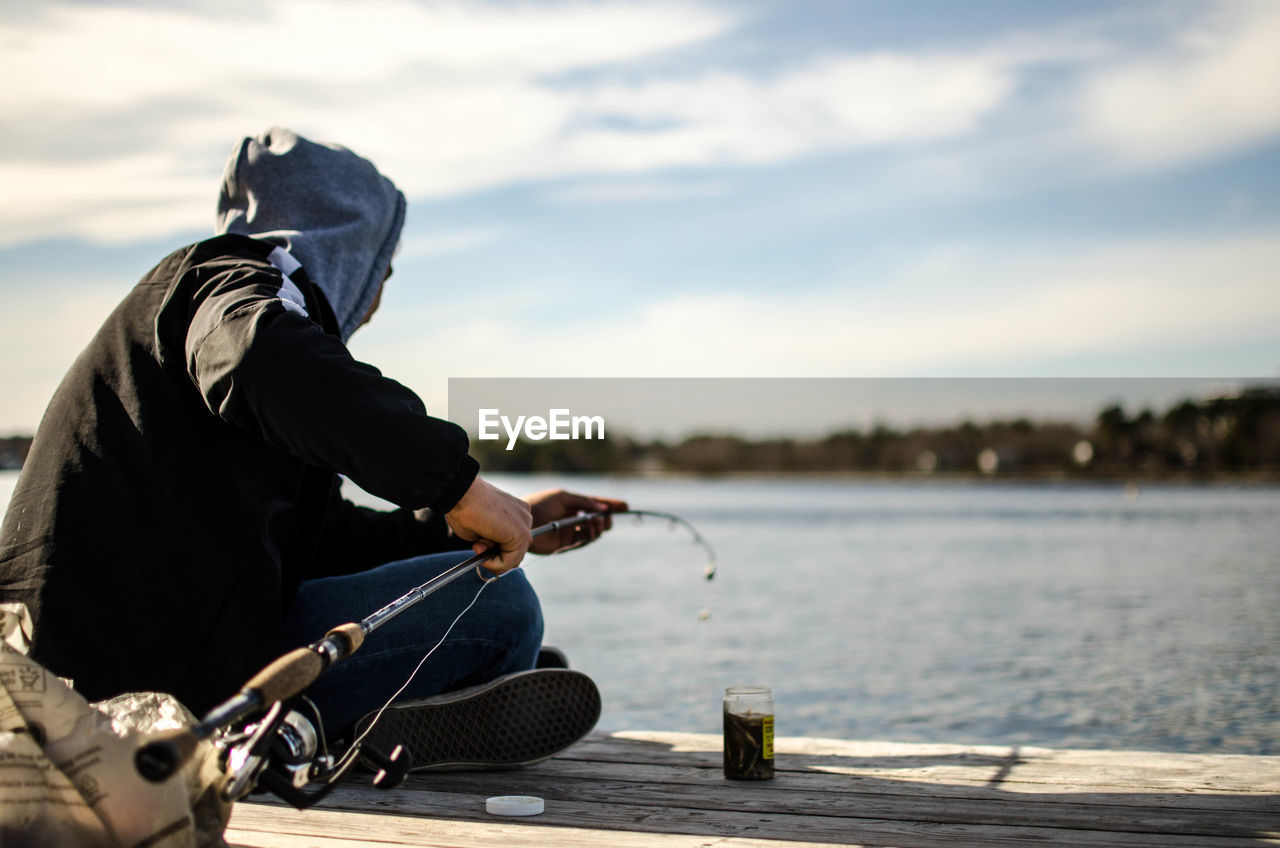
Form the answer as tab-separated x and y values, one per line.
649	788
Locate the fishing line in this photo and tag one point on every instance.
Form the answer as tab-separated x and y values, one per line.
676	520
354	748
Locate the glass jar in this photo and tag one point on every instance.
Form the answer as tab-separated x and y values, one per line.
748	733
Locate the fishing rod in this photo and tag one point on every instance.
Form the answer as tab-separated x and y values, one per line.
413	596
288	740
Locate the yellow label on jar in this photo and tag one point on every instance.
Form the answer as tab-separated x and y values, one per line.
767	752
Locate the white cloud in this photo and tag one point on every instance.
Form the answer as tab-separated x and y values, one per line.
134	107
104	55
450	97
1212	88
111	200
838	102
990	309
447	98
447	241
987	309
43	327
638	191
119	128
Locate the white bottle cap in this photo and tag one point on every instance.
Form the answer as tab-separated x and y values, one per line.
514	805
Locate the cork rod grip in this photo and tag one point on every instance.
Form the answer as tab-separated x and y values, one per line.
287	676
353	635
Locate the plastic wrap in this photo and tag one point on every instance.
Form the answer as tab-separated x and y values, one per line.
66	766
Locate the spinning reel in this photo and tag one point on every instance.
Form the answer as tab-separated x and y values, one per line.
285	754
280	749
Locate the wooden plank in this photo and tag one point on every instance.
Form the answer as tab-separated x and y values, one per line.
266	827
666	789
1019	769
892	784
420	818
1141	813
258	826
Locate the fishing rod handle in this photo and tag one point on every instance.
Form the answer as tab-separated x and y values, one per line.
166	752
292	673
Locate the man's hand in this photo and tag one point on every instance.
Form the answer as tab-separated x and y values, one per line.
490	517
555	504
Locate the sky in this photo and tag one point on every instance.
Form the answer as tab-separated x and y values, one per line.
815	188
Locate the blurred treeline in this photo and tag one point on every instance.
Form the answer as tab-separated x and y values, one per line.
1236	437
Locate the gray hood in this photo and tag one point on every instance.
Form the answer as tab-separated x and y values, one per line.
328	207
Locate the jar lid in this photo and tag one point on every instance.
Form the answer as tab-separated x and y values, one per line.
514	805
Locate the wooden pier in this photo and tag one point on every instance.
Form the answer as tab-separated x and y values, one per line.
666	789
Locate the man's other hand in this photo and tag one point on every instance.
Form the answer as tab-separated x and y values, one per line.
555	504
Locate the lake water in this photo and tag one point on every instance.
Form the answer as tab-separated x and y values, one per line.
1058	615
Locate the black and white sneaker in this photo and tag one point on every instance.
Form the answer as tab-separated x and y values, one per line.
516	720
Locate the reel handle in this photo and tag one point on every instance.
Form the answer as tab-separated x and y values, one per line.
392	769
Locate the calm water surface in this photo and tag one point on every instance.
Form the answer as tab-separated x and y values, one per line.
1059	615
1035	614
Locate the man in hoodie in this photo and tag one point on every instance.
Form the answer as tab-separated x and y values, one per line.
178	522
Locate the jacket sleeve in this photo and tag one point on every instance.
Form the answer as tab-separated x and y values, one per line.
355	538
275	373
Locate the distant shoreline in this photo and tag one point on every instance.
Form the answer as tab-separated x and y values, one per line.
1220	440
1266	479
1262	479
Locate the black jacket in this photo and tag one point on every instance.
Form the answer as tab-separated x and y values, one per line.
184	479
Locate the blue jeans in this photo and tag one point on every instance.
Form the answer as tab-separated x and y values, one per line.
500	635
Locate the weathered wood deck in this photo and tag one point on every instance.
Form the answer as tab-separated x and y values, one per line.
666	789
